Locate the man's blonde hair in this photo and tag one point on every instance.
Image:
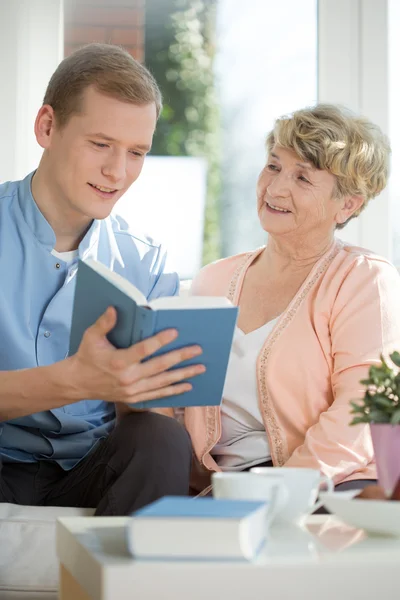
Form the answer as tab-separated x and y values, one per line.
350	147
110	69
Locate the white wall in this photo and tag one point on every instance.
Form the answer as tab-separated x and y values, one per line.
265	66
354	71
31	46
394	122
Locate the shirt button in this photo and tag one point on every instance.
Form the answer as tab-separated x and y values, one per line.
57	265
47	334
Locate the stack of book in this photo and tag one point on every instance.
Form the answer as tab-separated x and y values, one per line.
181	528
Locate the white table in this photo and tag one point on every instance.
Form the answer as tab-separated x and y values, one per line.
327	560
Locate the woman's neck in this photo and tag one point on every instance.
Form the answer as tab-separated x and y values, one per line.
280	257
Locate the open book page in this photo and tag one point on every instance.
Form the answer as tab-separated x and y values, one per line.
168	302
189	302
120	282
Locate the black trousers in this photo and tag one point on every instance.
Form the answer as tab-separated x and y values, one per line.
145	457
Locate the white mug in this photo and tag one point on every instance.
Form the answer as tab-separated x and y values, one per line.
302	485
243	485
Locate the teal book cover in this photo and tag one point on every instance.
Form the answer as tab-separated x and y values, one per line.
188	507
208	322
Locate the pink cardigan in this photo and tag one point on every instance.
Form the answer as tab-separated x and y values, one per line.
344	316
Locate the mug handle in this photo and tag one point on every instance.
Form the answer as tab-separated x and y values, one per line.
330	487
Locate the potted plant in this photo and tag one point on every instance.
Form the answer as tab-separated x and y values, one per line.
380	407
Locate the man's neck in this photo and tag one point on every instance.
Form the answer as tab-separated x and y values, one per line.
69	227
66	245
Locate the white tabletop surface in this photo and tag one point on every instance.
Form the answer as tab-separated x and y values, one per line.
325	560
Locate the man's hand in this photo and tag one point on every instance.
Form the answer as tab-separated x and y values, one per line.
101	371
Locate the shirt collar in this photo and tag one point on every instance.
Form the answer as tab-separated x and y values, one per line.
35	220
99	238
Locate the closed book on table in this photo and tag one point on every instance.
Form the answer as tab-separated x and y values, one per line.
205	321
183	528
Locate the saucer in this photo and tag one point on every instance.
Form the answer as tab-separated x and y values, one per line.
375	516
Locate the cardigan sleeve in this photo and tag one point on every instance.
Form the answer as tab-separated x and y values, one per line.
364	323
203	282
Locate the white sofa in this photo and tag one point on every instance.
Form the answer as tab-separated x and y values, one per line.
28	562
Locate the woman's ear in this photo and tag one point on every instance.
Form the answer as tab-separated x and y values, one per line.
348	206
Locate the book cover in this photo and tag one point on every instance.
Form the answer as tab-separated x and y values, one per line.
183	528
208	322
188	507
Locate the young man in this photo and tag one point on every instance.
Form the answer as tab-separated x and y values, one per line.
69	435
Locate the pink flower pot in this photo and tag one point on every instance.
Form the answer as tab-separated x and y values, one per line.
386	442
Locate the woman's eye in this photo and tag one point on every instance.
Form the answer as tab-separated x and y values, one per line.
272	167
302	178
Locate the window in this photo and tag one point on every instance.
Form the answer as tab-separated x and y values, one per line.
263	58
266	66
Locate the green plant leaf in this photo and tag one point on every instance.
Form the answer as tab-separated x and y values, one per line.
358	411
395	357
358	420
384	366
378	416
356	406
384	403
368	399
395	420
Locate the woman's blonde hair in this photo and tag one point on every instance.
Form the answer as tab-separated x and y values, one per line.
350	147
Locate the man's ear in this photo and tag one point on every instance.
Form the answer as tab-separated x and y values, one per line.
349	205
44	126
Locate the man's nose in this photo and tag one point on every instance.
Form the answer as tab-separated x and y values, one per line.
115	167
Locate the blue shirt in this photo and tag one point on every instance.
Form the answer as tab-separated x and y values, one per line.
36	295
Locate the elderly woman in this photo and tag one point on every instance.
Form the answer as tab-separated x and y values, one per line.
314	312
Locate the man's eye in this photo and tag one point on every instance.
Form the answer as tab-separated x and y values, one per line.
99	145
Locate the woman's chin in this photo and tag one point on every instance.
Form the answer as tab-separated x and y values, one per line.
271	227
273	222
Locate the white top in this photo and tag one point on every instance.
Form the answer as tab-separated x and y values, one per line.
65	256
243	442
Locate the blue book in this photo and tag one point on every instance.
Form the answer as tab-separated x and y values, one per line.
184	528
205	321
